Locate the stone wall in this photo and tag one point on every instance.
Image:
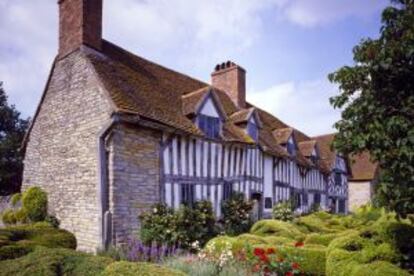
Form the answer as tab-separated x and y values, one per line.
359	193
134	176
62	151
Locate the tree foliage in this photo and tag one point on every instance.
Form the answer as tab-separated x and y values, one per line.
377	98
12	130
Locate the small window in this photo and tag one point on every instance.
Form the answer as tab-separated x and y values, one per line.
338	179
297	200
209	125
341	206
227	190
317	198
314	159
268	203
291	148
253	131
187	194
305	199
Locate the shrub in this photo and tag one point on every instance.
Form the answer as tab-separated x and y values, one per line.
159	225
144	269
283	211
8	217
15	199
322	239
25	238
236	214
312	260
13	251
58	261
34	201
52	220
162	225
277	228
21	216
196	224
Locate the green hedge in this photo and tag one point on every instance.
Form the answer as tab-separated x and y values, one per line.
141	269
58	261
20	240
34	201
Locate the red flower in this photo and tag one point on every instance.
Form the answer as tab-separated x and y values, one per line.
295	266
289	273
299	244
271	250
264	258
259	251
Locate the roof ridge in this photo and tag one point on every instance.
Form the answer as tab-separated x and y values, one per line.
152	62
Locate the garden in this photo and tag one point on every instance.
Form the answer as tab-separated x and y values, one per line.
190	241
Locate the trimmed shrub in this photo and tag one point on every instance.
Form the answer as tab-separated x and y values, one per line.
15	199
277	228
9	217
59	261
21	216
312	260
322	239
52	220
236	217
143	269
34	201
283	211
13	251
27	237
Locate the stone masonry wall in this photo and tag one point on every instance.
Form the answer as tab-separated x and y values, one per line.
359	193
62	152
134	177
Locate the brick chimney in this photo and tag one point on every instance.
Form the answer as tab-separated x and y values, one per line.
80	23
231	78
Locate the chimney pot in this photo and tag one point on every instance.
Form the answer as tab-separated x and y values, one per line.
231	78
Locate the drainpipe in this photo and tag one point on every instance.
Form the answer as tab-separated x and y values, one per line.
105	216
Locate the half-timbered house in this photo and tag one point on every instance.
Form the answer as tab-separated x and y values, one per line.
115	133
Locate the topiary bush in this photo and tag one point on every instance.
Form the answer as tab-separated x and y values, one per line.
34	201
57	261
236	217
18	240
279	228
283	211
144	269
15	199
8	217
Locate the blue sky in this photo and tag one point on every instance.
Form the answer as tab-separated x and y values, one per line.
287	46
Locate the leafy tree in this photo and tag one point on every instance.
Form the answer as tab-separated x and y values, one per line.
12	130
377	97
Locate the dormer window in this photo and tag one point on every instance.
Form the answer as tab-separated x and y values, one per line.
252	130
209	117
209	125
291	146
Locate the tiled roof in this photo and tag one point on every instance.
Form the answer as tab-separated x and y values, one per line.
362	167
326	152
141	87
306	147
282	134
241	116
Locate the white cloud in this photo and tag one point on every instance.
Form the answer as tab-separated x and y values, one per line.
190	34
310	13
303	105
